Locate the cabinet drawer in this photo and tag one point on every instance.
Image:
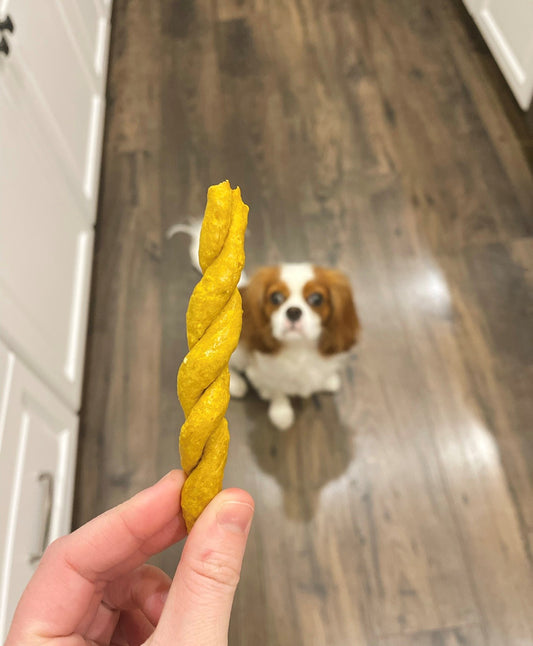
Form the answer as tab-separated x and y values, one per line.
37	462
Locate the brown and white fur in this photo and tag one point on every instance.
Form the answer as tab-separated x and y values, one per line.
299	321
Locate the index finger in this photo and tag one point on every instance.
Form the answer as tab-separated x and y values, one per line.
127	535
74	570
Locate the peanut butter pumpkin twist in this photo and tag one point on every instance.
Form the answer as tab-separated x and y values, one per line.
214	320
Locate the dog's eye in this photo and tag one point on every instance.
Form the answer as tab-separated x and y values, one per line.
277	298
315	299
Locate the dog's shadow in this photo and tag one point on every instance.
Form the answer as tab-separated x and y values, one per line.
314	451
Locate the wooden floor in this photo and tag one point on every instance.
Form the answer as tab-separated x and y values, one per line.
376	137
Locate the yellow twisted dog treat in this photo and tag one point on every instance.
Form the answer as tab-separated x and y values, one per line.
214	320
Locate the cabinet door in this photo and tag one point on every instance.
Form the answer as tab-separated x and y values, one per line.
507	26
45	253
37	461
57	72
5	381
89	20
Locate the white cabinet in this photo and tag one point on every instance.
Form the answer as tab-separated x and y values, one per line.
51	109
53	69
38	448
45	254
507	27
52	100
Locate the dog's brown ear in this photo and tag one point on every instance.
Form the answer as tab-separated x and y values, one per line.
256	327
342	327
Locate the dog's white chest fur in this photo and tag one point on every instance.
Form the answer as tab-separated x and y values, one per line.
298	369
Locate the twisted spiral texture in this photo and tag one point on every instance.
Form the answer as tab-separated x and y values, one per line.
214	320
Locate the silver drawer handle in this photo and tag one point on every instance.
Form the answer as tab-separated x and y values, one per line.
48	478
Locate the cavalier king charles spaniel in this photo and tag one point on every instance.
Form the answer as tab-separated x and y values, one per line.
299	321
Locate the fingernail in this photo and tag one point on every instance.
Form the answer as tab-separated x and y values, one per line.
235	516
154	604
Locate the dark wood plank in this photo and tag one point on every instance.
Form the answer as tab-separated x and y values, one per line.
371	137
510	129
465	30
494	306
463	636
119	428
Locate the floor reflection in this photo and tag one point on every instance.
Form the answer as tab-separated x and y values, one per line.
315	451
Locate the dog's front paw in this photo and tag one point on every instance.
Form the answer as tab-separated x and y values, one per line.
281	413
237	384
333	383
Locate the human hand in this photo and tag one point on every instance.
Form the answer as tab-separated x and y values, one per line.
94	587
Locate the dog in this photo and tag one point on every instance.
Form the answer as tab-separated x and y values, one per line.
299	322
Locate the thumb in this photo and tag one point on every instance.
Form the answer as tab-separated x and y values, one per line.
198	607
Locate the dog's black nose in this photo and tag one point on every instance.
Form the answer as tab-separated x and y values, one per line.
294	313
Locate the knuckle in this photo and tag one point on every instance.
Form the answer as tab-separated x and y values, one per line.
56	549
214	570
